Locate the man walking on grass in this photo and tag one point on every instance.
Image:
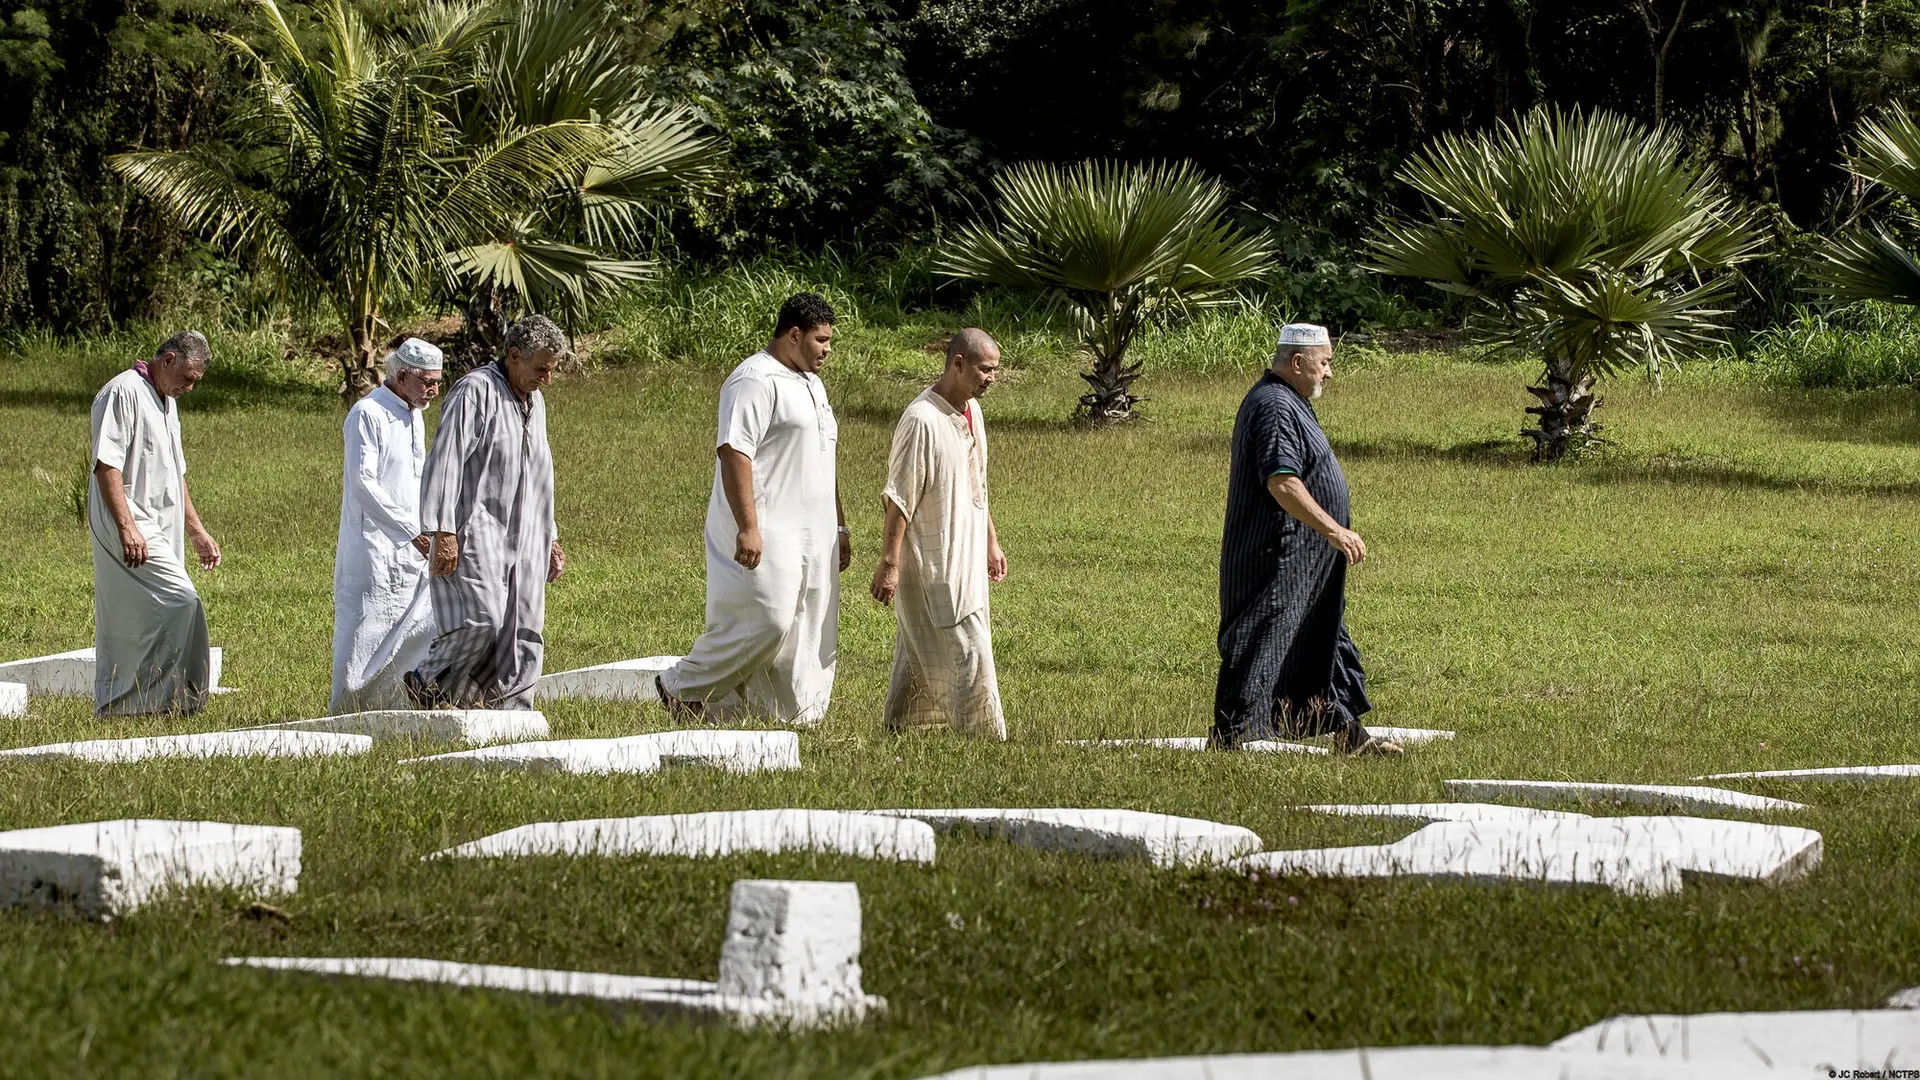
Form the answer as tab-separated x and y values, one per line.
940	550
149	628
776	537
486	499
1287	666
382	608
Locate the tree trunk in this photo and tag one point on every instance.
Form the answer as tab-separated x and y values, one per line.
1565	412
358	368
1110	399
483	323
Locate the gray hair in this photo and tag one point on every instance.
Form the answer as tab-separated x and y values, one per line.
189	345
970	343
533	335
1284	354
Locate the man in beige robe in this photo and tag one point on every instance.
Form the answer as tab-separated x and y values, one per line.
940	550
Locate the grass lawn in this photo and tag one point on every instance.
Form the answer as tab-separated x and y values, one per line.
1729	585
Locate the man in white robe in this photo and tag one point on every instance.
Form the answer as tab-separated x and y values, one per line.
382	607
940	550
149	628
776	537
486	500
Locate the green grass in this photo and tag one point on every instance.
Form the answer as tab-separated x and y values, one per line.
1729	585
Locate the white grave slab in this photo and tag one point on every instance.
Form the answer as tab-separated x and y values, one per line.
1845	772
791	957
1905	999
1162	839
105	868
734	751
1746	1044
71	673
622	680
1443	811
1410	736
1259	746
1677	797
1396	1063
1639	855
212	744
475	727
712	835
13	699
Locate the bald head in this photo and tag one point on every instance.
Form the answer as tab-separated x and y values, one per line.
971	344
973	362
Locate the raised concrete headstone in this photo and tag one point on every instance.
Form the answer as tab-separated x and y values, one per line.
71	673
1677	797
1162	839
791	957
713	834
622	680
212	744
1844	772
1639	855
1258	746
13	699
473	727
1442	811
734	751
100	869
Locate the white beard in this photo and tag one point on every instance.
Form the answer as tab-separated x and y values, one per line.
1317	391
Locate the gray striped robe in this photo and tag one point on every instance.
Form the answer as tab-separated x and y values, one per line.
489	481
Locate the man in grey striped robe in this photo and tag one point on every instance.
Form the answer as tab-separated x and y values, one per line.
486	498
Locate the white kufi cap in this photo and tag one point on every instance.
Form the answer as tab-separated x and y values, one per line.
416	354
1304	333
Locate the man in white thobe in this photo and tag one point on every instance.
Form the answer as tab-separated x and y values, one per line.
382	608
776	537
149	628
940	550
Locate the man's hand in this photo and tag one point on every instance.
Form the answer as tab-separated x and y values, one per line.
446	555
424	544
996	564
133	547
846	550
205	547
746	547
556	562
1350	545
886	582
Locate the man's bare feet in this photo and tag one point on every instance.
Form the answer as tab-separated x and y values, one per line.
683	711
1375	746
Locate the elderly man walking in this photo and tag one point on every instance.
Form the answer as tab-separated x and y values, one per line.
382	607
486	501
940	550
1287	666
776	536
149	628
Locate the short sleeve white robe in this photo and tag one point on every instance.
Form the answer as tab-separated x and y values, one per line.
772	632
943	670
149	628
382	607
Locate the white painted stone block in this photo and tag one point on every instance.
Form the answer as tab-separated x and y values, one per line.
1395	1063
1905	999
1845	772
1410	736
1640	855
105	868
714	834
71	673
1259	746
212	744
1747	1044
474	727
1443	811
1162	839
13	699
622	680
1677	797
734	751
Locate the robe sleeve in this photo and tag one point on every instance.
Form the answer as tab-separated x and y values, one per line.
363	474
456	440
746	408
907	463
980	440
1276	441
116	428
553	526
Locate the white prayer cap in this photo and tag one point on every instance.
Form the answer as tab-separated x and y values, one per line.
416	354
1304	333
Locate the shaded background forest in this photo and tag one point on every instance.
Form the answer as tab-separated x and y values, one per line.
858	123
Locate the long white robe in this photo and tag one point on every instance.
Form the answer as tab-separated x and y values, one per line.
382	608
149	628
772	632
943	670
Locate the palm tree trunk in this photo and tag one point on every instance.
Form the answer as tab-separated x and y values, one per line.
357	367
1110	398
1566	409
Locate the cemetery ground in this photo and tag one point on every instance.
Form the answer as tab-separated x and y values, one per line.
1729	585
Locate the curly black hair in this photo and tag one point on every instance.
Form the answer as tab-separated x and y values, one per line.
805	310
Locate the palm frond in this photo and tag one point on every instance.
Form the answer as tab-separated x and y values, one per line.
1867	264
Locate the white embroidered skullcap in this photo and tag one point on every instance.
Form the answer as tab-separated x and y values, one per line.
416	354
1304	333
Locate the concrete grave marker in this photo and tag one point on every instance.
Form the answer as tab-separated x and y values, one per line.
1162	839
1905	999
1680	797
1260	746
474	727
100	869
13	699
712	835
622	680
1743	1044
791	957
734	751
1442	811
273	744
71	673
1844	772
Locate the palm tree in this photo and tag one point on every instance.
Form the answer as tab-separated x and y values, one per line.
1117	245
1872	264
1585	241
